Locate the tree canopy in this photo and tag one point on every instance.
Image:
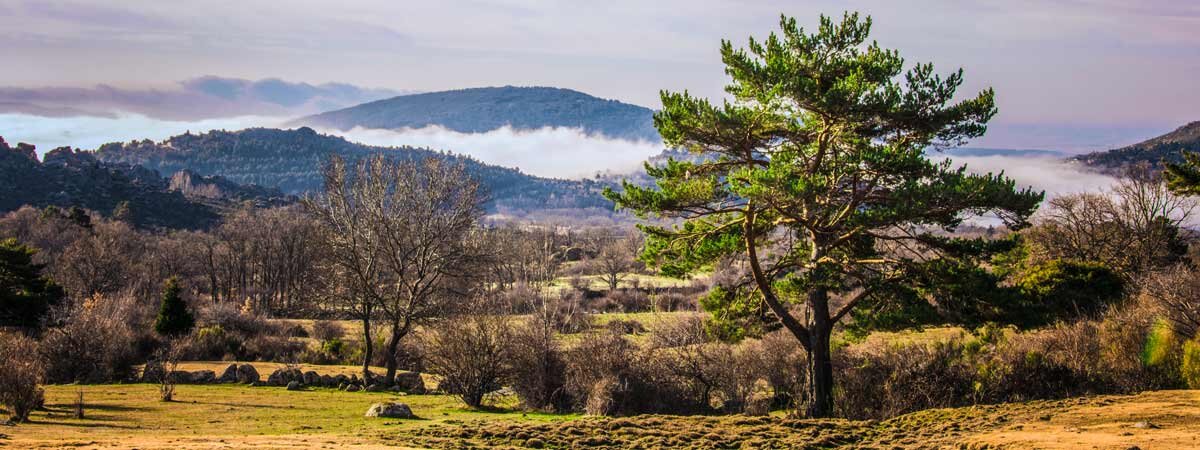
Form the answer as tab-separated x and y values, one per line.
816	175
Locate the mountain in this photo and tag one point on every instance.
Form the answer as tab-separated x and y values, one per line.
291	160
1168	147
67	177
484	109
194	99
1015	153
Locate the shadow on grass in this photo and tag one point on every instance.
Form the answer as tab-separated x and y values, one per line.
68	408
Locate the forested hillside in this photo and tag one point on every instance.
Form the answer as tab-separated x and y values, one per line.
72	178
291	161
1166	148
484	109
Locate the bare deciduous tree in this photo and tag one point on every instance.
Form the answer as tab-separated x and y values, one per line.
403	236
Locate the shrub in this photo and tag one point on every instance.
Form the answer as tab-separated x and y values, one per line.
1190	366
536	366
468	352
1064	290
608	375
327	330
98	340
20	374
881	381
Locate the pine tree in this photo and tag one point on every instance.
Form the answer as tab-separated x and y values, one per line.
25	295
174	319
816	176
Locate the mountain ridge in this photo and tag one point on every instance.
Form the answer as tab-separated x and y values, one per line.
479	110
1155	151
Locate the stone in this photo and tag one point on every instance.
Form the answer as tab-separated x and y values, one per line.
1145	425
353	388
152	373
247	374
293	386
410	382
180	376
229	375
327	381
311	378
203	377
376	388
390	410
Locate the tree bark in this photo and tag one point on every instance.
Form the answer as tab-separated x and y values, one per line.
820	361
367	348
389	358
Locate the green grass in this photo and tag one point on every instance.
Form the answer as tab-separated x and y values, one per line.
126	413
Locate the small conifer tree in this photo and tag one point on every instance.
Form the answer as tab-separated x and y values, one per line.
174	319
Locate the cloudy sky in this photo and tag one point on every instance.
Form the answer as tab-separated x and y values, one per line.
1070	74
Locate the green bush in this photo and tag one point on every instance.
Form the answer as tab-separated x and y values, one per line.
1190	366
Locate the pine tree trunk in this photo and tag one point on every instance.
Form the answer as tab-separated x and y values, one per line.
820	361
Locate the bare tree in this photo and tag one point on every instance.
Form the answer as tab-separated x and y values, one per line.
1132	229
403	236
616	258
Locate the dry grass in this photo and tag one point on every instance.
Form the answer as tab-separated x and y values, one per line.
227	416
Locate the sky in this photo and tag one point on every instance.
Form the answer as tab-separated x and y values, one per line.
1073	75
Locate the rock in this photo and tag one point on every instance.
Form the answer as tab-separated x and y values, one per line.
327	381
410	382
246	373
353	388
390	410
229	375
152	373
258	384
376	388
1146	425
293	386
203	377
311	378
341	386
341	379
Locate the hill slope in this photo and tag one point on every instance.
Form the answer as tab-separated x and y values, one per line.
291	161
484	109
1168	147
69	177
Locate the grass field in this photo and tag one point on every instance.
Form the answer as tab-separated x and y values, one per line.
231	416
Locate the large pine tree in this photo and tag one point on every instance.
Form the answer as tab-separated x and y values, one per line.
816	177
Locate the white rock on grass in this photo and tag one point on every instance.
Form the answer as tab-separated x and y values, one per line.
391	410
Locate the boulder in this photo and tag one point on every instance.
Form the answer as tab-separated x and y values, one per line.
353	388
229	375
203	377
152	373
341	379
410	382
246	373
390	410
376	388
327	381
311	378
293	386
180	376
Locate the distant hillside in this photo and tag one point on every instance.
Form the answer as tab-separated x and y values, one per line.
1015	153
484	109
1166	148
69	177
291	160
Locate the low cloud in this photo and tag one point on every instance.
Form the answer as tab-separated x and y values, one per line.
1055	176
547	152
89	132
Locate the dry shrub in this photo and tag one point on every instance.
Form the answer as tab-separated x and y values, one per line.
1174	294
536	366
20	375
782	363
468	352
880	381
327	330
97	340
608	375
226	331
